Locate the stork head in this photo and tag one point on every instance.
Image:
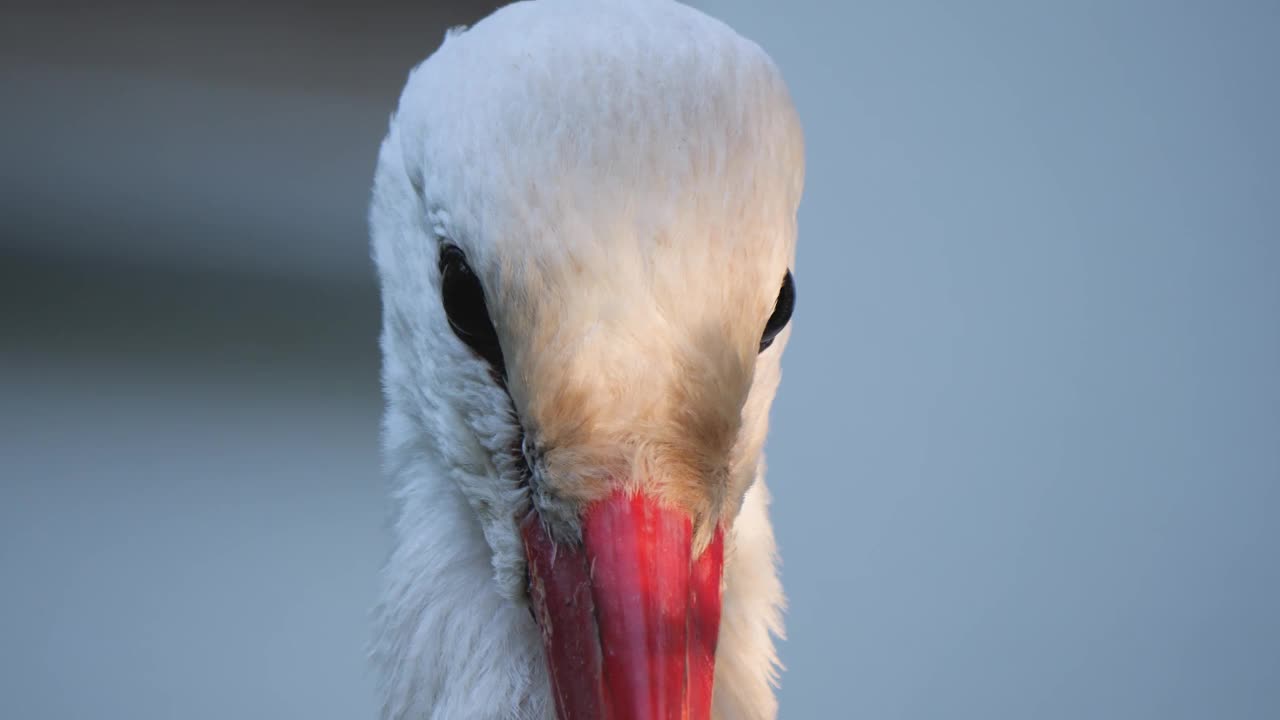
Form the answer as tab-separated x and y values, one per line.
584	222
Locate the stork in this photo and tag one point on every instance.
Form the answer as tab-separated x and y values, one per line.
583	220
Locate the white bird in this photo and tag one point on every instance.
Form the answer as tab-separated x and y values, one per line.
584	221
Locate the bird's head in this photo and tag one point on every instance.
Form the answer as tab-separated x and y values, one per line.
584	222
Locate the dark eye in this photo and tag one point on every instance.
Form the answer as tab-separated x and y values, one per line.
782	309
463	299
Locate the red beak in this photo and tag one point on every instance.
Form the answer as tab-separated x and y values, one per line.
630	619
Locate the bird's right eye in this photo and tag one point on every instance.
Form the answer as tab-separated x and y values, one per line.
464	305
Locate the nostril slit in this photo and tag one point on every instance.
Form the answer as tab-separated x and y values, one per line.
519	454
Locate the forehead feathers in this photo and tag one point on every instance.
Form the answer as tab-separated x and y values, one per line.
624	177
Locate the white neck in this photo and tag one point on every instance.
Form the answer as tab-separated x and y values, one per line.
450	646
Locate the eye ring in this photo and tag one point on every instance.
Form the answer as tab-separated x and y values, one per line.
783	307
463	299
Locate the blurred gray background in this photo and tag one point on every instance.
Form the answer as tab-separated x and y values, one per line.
1026	455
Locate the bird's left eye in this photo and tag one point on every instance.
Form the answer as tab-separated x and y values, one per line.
782	309
464	304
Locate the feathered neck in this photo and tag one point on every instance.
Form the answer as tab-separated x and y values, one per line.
449	645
